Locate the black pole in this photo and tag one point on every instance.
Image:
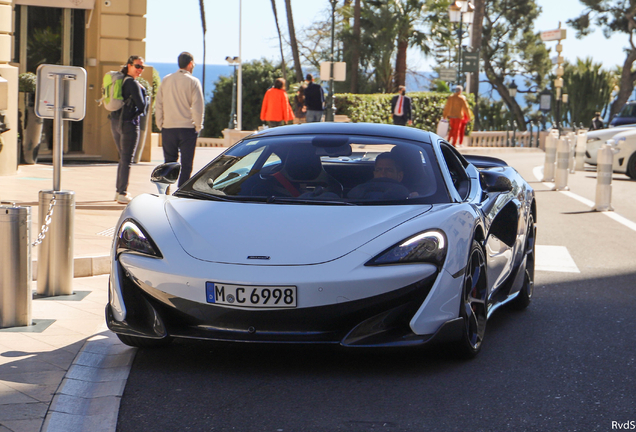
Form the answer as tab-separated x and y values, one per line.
329	116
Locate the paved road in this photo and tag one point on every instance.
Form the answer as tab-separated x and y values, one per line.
566	363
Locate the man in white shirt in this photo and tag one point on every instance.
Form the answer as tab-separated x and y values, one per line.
179	114
401	108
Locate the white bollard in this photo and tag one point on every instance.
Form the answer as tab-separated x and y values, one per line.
581	147
572	145
550	155
605	161
562	165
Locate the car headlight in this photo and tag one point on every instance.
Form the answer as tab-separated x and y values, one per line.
428	247
591	140
132	238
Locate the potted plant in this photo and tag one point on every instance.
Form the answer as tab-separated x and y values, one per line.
32	130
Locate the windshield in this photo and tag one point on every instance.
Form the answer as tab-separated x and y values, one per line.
629	110
322	170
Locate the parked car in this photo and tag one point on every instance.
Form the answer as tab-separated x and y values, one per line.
627	115
624	161
308	234
595	139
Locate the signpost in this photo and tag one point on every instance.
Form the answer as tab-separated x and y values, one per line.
448	74
470	62
60	95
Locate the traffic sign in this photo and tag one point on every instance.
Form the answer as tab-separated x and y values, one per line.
552	35
448	74
470	61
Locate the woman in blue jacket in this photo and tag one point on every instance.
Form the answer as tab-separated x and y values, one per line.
124	124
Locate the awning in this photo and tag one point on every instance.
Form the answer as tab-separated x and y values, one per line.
68	4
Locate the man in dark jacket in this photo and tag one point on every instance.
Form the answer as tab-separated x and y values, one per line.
401	108
314	100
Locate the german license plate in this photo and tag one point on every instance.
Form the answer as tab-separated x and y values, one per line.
251	296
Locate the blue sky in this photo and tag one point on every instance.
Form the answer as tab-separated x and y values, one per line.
172	29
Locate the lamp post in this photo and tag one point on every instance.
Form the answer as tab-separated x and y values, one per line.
233	61
461	11
331	106
239	92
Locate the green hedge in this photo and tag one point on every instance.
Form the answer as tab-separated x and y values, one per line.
376	108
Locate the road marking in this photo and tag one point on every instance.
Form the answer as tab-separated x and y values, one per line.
538	173
555	259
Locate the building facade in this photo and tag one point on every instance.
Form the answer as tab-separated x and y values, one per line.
98	35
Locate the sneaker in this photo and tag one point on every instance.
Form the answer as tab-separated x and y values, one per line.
123	198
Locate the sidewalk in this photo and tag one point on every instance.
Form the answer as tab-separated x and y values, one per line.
67	372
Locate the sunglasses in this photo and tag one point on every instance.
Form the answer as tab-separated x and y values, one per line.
138	66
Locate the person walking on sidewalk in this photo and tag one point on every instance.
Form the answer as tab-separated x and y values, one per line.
276	110
456	111
401	108
314	100
124	124
179	115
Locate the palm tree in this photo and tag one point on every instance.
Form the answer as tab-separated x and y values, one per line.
201	8
280	41
408	14
292	41
355	47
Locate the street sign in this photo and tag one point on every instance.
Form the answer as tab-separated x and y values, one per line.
552	35
73	80
448	74
470	62
545	101
339	71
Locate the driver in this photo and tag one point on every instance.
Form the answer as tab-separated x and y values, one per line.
385	184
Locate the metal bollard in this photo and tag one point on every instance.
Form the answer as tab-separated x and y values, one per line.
581	147
562	161
550	156
15	266
55	255
605	159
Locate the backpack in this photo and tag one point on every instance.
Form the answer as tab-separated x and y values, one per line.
112	85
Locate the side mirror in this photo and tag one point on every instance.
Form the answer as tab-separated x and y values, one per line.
494	182
165	175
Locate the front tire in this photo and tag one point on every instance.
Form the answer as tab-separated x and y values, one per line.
141	342
473	308
524	297
631	167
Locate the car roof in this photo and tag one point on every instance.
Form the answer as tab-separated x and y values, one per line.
368	129
611	131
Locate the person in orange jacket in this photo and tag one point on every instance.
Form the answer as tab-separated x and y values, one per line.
276	110
459	114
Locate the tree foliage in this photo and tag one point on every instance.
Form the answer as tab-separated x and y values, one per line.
258	76
612	16
511	48
589	88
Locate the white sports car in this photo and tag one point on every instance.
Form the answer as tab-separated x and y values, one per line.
596	138
354	234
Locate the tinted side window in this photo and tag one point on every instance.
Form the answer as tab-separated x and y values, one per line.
461	182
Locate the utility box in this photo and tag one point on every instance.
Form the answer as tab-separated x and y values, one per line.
4	94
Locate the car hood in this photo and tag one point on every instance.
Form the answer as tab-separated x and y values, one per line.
277	234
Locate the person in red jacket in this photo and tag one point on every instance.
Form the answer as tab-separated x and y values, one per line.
276	110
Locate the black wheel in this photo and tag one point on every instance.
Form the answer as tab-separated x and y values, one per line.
141	342
524	297
473	308
631	167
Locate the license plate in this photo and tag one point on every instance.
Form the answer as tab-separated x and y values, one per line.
251	296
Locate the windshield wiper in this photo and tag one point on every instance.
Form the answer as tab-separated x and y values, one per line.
199	195
284	200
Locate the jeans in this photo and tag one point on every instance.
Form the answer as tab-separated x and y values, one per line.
313	116
126	137
180	140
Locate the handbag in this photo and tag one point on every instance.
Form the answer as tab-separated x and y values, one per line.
442	128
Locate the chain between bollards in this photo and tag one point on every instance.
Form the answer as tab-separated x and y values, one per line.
47	222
